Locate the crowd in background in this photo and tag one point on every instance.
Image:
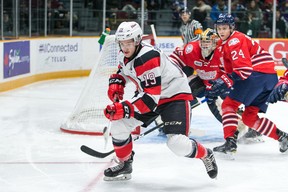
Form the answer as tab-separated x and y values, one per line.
253	17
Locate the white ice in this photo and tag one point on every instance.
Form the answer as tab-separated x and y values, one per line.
35	156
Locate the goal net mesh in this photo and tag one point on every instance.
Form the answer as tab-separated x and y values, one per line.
87	116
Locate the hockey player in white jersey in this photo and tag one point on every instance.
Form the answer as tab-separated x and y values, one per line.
162	90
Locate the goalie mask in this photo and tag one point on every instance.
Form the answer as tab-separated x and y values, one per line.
129	30
208	42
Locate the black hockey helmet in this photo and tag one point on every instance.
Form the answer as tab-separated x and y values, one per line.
184	10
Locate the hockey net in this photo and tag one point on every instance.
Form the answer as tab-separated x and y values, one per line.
87	117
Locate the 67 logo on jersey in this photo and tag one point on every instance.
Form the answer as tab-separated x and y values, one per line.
233	41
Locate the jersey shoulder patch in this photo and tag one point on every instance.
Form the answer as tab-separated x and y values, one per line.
189	49
233	41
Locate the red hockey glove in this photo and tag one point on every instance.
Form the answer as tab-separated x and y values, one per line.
116	86
118	111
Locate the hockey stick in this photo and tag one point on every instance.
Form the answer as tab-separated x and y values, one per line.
106	130
285	62
98	154
154	33
199	103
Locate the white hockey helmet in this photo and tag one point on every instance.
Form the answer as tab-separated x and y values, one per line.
129	30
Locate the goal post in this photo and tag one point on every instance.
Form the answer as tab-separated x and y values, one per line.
87	117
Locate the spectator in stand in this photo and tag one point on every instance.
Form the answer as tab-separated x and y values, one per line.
247	26
280	25
129	9
163	3
54	4
24	18
238	12
50	18
219	7
152	6
201	13
267	14
257	16
176	7
61	17
284	10
7	24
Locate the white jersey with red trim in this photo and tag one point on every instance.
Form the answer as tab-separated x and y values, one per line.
243	55
157	79
190	55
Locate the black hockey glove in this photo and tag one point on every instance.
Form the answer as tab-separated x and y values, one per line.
197	86
220	86
278	93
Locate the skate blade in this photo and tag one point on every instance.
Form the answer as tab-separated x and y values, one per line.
284	151
121	177
254	140
225	156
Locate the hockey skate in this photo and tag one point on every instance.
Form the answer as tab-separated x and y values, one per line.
228	149
210	164
120	172
250	137
283	141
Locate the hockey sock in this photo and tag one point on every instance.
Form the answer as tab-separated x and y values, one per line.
199	150
123	149
268	128
229	116
230	123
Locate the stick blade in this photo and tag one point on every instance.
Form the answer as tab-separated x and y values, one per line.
94	153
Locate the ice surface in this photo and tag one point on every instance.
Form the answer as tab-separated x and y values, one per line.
35	156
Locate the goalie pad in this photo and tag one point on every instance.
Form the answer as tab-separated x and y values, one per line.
215	108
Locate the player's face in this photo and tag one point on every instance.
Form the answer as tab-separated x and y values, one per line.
206	47
128	47
185	17
223	31
205	44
